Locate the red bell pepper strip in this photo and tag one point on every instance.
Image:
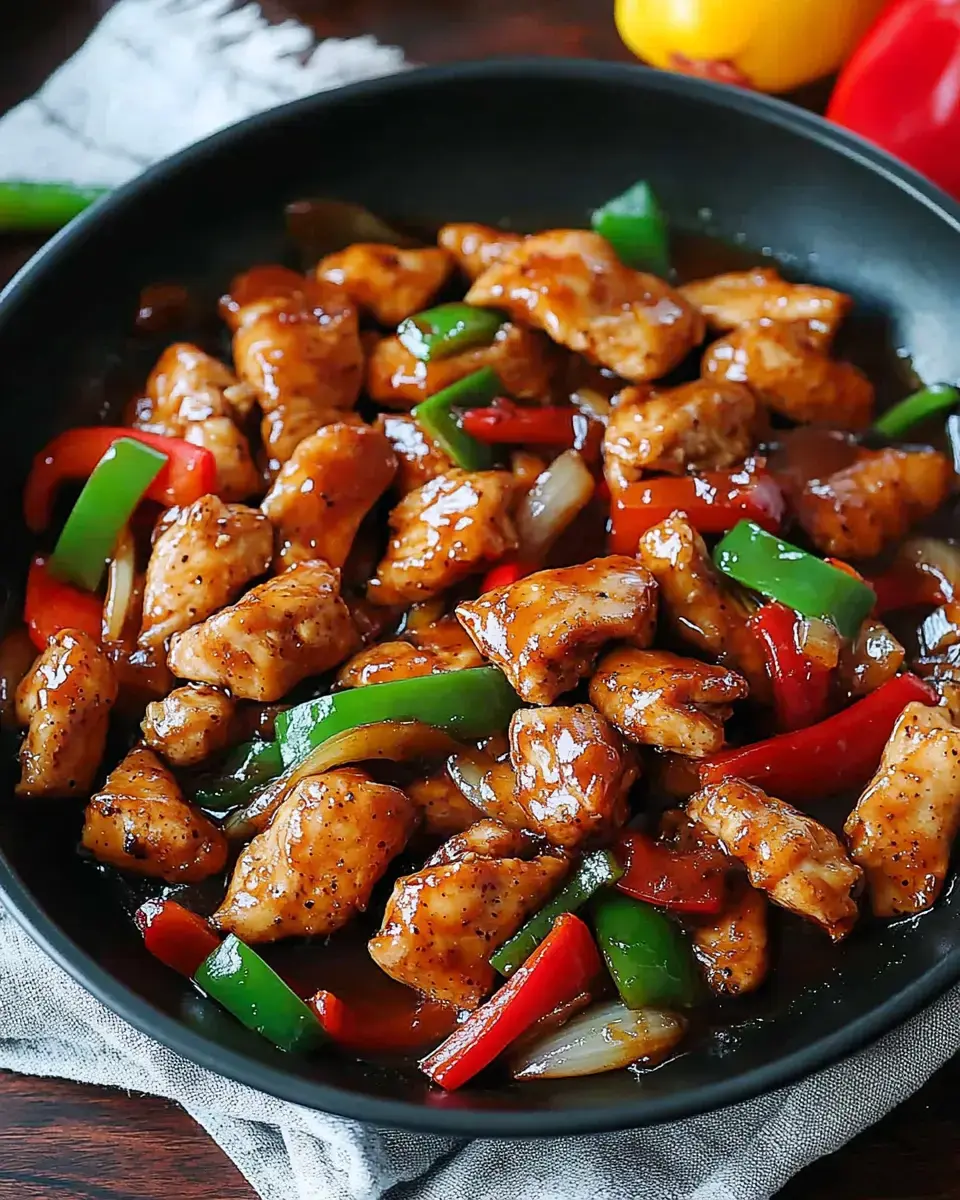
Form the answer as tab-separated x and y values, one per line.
508	424
801	687
903	586
660	875
374	1028
189	473
714	502
839	754
51	605
505	573
562	966
178	937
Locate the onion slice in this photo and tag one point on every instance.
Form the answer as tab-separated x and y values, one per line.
559	494
489	784
605	1038
121	579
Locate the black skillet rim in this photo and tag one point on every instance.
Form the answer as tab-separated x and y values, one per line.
40	271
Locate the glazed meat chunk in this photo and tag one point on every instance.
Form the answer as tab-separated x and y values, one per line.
449	641
293	626
190	725
316	865
702	425
450	528
544	632
204	557
443	808
799	863
388	662
419	457
902	829
488	839
65	702
856	512
660	699
732	948
571	284
324	491
573	774
265	282
385	281
476	247
791	374
140	822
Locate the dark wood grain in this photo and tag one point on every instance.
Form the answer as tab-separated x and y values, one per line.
59	1139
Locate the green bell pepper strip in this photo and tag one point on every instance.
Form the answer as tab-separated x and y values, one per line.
929	401
635	226
800	580
466	704
44	206
238	979
111	493
597	870
247	770
448	329
646	953
435	416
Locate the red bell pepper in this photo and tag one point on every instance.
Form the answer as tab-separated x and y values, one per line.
507	424
178	937
51	605
839	754
684	882
375	1028
505	573
714	503
801	687
562	966
900	90
189	473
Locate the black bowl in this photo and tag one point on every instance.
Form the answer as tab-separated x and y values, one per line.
538	143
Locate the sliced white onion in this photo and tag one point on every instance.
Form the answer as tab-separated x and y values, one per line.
592	403
121	580
563	489
489	784
937	558
604	1038
819	641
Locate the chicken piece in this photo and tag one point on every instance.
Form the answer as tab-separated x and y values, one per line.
293	626
385	281
571	284
190	725
476	247
442	923
791	375
324	491
265	282
203	558
284	428
701	425
740	297
573	774
140	822
419	457
449	642
388	662
491	783
732	948
317	864
799	863
660	699
698	605
65	702
902	829
237	474
485	839
523	358
443	808
544	632
856	512
450	528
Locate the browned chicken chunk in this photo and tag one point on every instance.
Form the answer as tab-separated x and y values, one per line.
419	457
571	284
544	632
324	491
140	822
903	827
65	702
316	865
388	662
264	282
660	699
385	281
739	297
204	557
476	247
293	626
449	642
190	725
573	773
732	948
443	808
453	526
791	375
486	839
798	862
703	425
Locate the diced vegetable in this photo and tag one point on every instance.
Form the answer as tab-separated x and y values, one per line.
562	491
435	415
181	939
46	206
929	401
797	579
801	685
658	874
238	979
372	1028
646	953
509	424
51	605
635	226
247	769
448	329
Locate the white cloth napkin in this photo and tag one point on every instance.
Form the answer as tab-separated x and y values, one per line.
156	75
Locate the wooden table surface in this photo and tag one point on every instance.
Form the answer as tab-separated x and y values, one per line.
60	1139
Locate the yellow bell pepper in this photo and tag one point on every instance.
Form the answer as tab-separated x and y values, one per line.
770	45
